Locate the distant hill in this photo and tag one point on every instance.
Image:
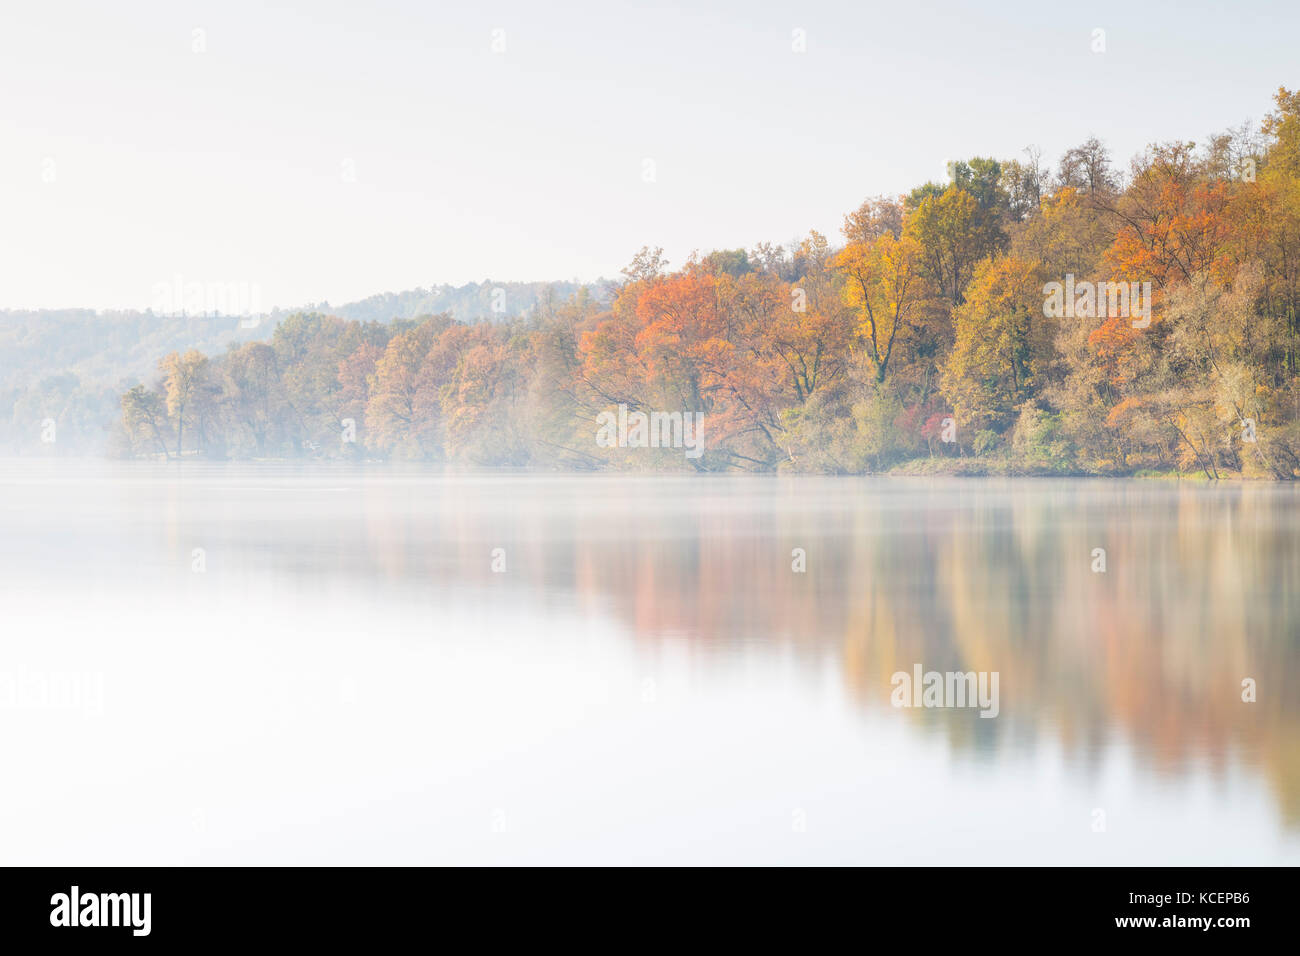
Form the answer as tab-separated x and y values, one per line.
70	365
67	367
493	301
107	346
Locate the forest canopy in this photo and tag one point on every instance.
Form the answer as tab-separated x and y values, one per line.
935	334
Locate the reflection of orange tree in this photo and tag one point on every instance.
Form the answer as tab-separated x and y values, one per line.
1194	600
1197	594
1154	648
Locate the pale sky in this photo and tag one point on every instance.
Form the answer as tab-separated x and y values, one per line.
128	159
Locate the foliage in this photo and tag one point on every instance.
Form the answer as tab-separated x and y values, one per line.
932	316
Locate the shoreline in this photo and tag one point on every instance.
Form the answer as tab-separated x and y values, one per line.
971	467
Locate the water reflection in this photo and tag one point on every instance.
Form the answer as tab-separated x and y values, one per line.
1199	590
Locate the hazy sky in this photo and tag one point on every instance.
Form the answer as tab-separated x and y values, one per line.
330	151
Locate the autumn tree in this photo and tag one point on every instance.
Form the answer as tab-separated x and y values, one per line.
1003	346
884	285
404	414
1173	222
945	227
253	393
144	417
873	219
188	393
1069	236
1086	168
1282	126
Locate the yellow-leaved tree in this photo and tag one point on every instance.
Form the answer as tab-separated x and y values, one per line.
1003	344
884	285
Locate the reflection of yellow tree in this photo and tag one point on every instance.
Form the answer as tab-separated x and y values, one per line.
1198	594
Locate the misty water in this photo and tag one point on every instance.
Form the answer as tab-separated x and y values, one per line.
317	664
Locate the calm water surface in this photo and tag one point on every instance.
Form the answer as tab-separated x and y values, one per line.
277	664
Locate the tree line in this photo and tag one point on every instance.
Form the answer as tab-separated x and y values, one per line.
931	338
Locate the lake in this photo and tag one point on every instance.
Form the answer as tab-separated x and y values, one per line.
218	663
